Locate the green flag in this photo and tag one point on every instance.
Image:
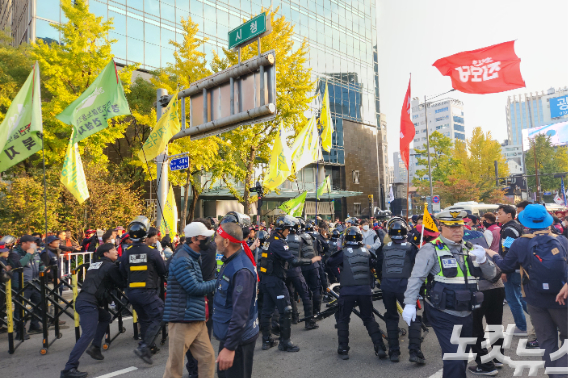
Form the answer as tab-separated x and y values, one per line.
72	174
20	132
324	188
104	99
295	206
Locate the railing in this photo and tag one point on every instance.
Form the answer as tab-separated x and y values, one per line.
69	261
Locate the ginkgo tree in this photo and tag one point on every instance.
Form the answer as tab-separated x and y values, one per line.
250	145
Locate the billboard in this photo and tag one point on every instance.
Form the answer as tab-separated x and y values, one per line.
558	106
558	133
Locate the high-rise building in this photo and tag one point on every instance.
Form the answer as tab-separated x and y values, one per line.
520	108
341	35
514	157
445	116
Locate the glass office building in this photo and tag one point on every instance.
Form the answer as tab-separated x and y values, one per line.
342	40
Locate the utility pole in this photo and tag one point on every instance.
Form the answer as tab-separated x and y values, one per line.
162	166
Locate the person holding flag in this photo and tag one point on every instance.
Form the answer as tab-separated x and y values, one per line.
396	260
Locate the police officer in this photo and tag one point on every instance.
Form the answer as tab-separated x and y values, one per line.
143	266
321	244
396	260
452	291
357	281
295	279
102	276
311	273
334	246
273	263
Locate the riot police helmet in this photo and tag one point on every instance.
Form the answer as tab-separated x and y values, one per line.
398	229
353	221
285	222
335	234
8	240
236	217
310	226
262	237
352	236
301	224
138	228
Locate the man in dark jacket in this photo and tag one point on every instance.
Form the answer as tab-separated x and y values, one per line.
31	262
511	230
542	258
102	276
185	309
235	310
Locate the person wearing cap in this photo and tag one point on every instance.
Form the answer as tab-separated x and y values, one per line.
51	252
30	260
144	269
542	257
185	309
235	311
452	267
102	276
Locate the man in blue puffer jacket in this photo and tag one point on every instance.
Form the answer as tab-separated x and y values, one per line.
185	309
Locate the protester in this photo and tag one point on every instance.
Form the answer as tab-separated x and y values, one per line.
235	311
492	231
371	240
185	309
541	256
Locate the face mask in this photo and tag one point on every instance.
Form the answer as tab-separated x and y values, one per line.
486	224
366	227
204	244
112	241
33	246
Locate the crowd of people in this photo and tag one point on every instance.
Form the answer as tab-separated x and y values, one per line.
237	282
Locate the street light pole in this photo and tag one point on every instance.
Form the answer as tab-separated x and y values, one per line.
534	152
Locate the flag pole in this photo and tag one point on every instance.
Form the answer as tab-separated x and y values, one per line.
407	190
422	232
43	157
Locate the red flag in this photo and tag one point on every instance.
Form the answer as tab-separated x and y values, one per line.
407	130
492	69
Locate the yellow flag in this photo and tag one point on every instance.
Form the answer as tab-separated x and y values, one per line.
306	149
168	225
168	125
280	166
427	220
325	122
72	174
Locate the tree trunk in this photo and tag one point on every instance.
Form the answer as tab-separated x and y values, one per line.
193	203
187	185
250	170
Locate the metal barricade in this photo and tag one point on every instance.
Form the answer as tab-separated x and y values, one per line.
71	261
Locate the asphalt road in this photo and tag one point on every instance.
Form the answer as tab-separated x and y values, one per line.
317	357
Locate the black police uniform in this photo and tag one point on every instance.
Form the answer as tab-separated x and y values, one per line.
102	276
396	260
332	274
143	266
295	280
311	272
273	264
356	281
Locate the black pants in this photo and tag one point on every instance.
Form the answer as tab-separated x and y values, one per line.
242	364
392	318
492	309
299	284
443	324
34	296
149	308
346	304
274	294
94	322
191	364
312	278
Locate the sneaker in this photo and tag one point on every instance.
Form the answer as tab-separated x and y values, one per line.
497	363
518	332
482	371
532	344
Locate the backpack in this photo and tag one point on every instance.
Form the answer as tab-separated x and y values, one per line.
546	271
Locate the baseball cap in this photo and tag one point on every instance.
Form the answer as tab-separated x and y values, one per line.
27	238
50	239
195	229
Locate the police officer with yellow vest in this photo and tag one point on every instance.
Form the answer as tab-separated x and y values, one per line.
143	266
451	267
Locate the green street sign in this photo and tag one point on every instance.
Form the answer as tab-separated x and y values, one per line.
247	31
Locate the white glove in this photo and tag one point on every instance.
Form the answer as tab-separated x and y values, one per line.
409	313
479	253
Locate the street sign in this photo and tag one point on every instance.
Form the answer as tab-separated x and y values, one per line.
179	164
370	197
436	199
247	32
436	207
